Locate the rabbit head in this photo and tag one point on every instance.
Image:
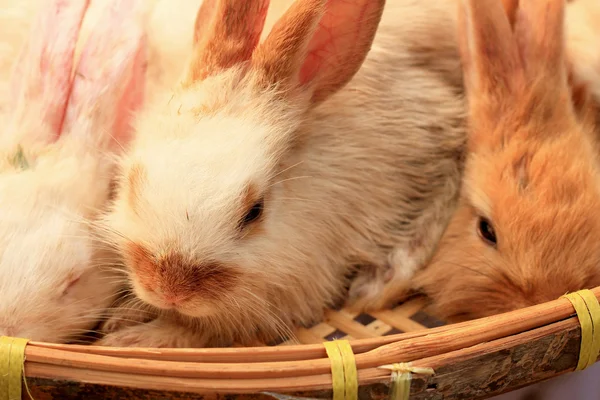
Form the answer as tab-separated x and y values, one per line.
527	227
63	127
193	215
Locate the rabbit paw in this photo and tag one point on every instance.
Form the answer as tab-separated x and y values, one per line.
378	287
157	334
121	318
124	314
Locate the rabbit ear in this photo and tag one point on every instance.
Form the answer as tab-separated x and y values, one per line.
492	66
226	33
42	72
319	44
510	7
109	80
540	35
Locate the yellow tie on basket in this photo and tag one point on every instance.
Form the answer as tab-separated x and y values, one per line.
401	378
587	308
344	377
12	357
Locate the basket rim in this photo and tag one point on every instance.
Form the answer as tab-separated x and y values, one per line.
291	367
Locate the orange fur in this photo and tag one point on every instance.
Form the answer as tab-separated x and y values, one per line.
225	35
281	53
510	7
531	171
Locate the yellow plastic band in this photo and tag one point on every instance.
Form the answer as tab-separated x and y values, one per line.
350	374
588	312
12	357
337	370
401	378
343	370
594	308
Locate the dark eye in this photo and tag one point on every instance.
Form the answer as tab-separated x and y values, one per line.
486	231
254	213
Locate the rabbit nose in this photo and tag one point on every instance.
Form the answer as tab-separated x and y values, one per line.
185	278
174	300
169	298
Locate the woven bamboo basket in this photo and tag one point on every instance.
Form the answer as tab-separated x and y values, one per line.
470	360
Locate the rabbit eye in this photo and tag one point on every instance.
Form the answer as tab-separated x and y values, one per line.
486	231
254	213
69	284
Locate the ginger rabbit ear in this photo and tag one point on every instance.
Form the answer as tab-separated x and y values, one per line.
492	66
504	67
226	33
109	81
541	39
42	72
319	44
510	8
540	35
580	94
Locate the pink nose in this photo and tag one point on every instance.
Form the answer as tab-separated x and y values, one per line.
171	300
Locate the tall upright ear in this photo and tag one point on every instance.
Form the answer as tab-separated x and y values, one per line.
511	7
109	81
226	33
42	72
540	34
319	44
492	68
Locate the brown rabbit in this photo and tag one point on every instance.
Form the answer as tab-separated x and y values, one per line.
528	226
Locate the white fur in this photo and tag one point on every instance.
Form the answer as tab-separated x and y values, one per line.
358	179
46	242
367	179
56	278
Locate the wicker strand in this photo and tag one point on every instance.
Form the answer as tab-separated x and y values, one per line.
401	378
12	357
588	313
344	376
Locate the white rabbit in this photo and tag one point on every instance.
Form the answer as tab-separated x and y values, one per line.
256	184
63	121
